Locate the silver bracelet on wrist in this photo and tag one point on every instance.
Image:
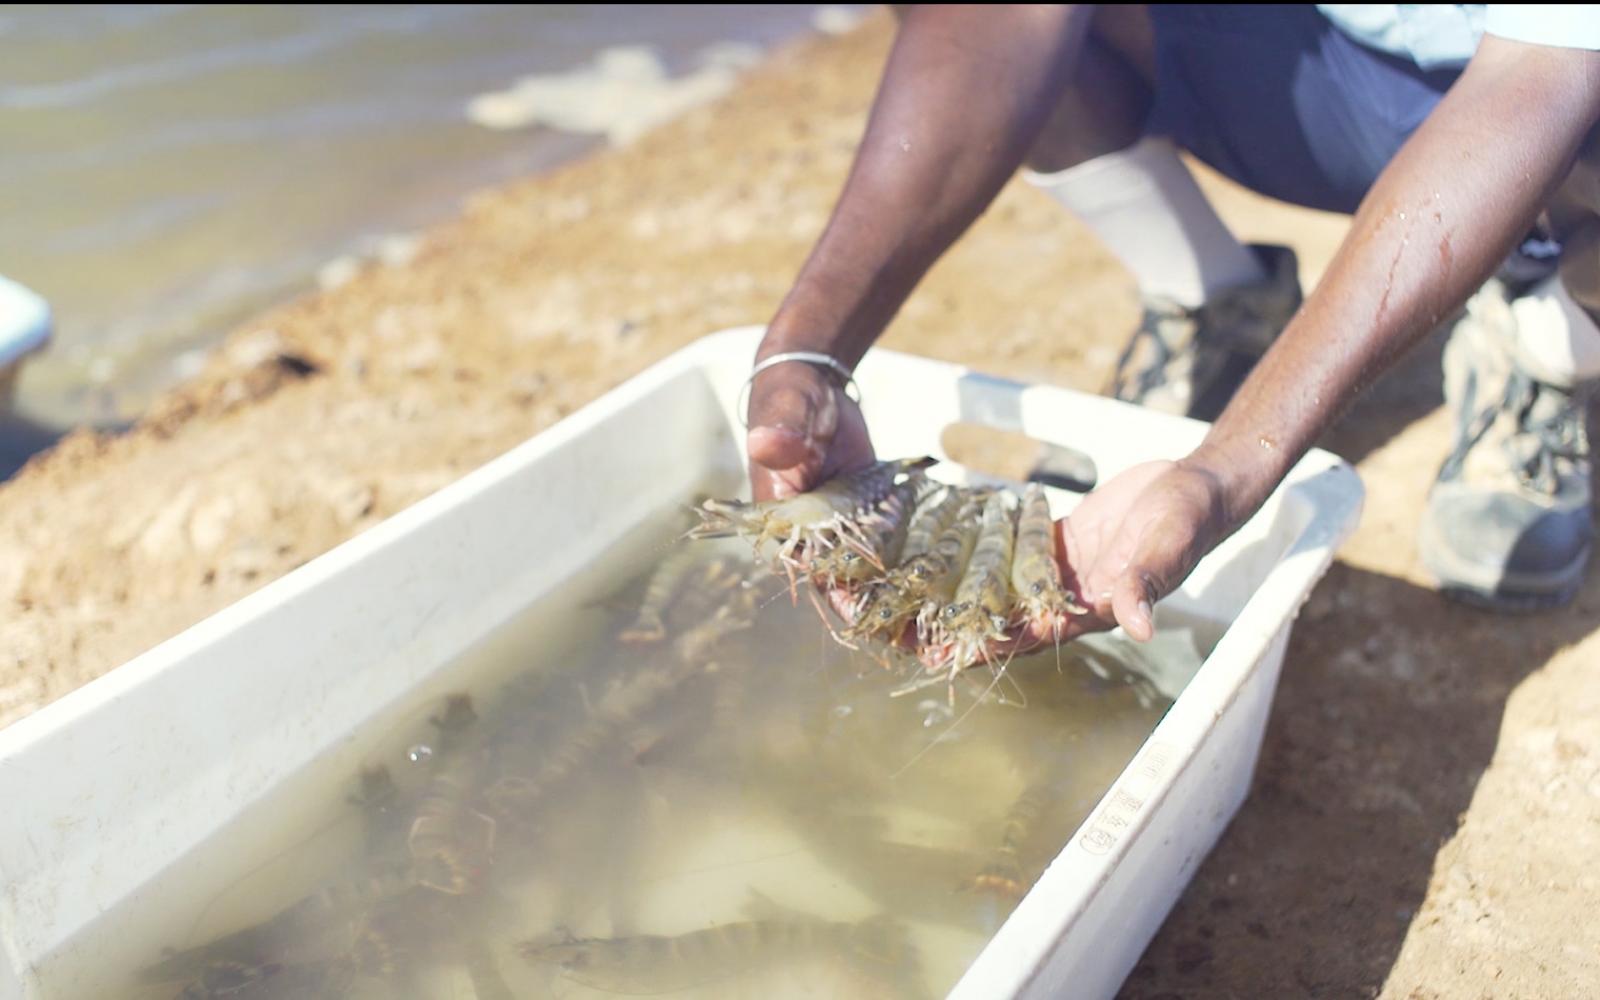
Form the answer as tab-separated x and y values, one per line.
817	358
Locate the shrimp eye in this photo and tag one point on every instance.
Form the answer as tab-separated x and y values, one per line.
1038	587
884	614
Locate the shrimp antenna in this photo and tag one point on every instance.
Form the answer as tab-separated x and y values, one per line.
947	731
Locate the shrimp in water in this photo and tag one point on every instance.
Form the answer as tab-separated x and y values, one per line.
522	796
451	842
667	581
1004	874
660	964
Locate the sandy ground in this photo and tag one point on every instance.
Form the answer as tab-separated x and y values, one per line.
1426	815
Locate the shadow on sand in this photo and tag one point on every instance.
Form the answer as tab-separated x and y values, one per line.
1388	713
1389	710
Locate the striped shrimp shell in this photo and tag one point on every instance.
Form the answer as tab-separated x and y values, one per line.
950	556
650	963
822	518
885	529
982	606
1043	603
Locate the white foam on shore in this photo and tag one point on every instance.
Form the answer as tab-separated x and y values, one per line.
339	271
398	249
623	94
838	19
389	250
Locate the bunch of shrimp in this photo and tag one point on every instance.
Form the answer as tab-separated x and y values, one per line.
965	628
966	572
935	539
1010	588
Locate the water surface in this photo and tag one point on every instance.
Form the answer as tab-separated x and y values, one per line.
170	169
740	807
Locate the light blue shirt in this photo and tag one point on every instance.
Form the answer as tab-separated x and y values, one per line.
1445	35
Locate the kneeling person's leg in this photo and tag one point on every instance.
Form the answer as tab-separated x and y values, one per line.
1508	522
1208	299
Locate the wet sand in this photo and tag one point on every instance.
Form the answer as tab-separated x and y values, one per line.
1428	801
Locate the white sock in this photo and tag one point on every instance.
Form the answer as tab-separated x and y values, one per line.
1557	341
1145	206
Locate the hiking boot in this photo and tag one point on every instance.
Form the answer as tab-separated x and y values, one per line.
1507	524
1190	361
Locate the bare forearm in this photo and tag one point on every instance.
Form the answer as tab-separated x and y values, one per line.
964	94
1434	227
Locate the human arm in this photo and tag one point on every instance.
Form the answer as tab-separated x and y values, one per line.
965	92
1437	222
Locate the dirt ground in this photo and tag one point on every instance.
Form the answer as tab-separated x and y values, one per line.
1426	816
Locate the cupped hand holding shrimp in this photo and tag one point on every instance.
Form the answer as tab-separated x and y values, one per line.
1134	540
1127	545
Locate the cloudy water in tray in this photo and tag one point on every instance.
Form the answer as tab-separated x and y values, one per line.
717	802
169	170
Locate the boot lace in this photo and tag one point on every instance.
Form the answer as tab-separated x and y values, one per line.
1547	435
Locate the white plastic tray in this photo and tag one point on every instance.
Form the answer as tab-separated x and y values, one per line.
112	785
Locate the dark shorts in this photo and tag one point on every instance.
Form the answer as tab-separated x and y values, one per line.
1277	98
